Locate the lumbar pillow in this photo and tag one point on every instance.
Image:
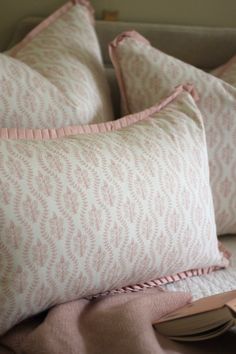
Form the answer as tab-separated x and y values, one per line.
146	74
62	81
86	209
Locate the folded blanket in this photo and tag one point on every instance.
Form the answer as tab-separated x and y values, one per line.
118	324
109	325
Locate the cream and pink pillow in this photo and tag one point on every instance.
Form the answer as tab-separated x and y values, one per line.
55	76
146	75
87	209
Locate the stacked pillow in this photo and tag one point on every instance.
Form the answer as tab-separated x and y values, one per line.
87	208
58	78
146	75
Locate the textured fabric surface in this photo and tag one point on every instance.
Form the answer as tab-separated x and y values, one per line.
146	74
116	324
63	80
29	100
116	321
136	202
111	325
210	284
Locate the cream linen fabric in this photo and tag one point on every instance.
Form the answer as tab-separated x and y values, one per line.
63	80
146	75
82	214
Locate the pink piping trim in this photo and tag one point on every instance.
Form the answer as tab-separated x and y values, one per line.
48	134
114	56
221	69
159	282
167	279
129	34
49	20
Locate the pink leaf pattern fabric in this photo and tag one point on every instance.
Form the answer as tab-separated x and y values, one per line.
67	241
146	75
55	76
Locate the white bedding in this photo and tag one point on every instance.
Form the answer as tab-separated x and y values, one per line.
214	283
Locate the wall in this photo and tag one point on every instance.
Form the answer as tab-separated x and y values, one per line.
190	12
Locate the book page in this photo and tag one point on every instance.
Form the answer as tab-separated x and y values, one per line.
204	305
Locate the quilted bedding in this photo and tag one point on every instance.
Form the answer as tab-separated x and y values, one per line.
214	283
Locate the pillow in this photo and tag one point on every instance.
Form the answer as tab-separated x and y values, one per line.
87	209
63	80
146	74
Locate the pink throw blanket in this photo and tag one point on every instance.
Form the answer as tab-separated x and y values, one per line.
118	324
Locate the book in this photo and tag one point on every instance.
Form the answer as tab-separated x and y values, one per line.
200	320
